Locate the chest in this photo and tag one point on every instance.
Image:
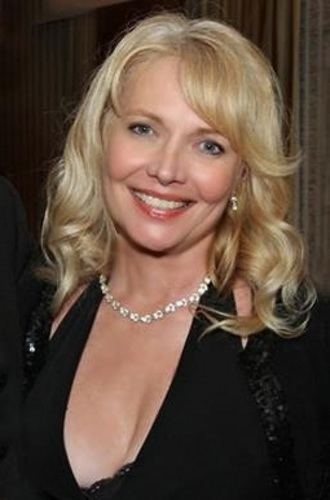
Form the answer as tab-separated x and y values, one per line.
208	430
206	420
120	384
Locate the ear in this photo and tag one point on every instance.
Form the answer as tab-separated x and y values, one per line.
240	177
243	173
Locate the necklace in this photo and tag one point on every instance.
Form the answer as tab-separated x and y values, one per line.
159	313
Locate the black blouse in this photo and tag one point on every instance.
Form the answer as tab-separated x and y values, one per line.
235	424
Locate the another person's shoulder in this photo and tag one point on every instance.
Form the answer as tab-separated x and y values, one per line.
16	245
8	194
11	208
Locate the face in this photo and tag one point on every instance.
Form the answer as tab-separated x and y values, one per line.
167	174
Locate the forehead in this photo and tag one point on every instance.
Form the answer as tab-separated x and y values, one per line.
152	78
155	87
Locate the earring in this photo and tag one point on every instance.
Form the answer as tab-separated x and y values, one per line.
234	203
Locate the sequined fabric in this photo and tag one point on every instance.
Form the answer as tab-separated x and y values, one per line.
257	361
36	338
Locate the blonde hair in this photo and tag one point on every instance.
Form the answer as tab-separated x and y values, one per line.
229	84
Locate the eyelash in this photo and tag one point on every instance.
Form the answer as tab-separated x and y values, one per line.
216	150
140	129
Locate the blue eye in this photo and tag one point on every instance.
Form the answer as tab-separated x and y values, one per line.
140	129
211	148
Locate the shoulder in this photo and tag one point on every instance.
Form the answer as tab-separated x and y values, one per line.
12	215
316	337
65	308
310	351
318	327
320	313
6	187
9	198
15	241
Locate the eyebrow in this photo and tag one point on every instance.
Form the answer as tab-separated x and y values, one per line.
143	112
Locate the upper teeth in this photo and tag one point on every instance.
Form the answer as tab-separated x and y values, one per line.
159	202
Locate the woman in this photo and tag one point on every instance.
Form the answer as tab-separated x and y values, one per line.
181	363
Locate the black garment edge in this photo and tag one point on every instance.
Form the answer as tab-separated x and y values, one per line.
257	362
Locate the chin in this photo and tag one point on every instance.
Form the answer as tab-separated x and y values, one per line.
153	248
149	245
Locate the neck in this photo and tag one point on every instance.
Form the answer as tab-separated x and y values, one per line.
156	276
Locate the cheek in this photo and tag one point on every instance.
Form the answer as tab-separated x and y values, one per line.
216	186
115	165
120	160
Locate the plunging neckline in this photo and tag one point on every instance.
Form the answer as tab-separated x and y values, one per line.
112	482
159	415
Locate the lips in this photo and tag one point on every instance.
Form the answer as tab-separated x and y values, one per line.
160	206
160	203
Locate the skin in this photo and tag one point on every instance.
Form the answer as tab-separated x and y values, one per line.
157	146
177	156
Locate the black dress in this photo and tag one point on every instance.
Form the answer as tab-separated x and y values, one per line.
223	430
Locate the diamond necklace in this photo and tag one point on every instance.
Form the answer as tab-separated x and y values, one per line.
159	313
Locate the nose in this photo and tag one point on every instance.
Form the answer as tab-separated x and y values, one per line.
167	166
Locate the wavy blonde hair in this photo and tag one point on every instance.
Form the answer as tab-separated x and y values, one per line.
229	84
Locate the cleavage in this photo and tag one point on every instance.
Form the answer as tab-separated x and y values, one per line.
119	387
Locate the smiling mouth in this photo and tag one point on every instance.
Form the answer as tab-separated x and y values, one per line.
161	203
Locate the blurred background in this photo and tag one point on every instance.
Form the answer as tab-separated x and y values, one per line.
49	49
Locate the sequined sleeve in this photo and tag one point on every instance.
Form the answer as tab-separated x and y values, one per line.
36	338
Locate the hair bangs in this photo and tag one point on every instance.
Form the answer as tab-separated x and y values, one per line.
212	87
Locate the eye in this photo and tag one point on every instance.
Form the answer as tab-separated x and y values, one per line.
140	129
211	148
